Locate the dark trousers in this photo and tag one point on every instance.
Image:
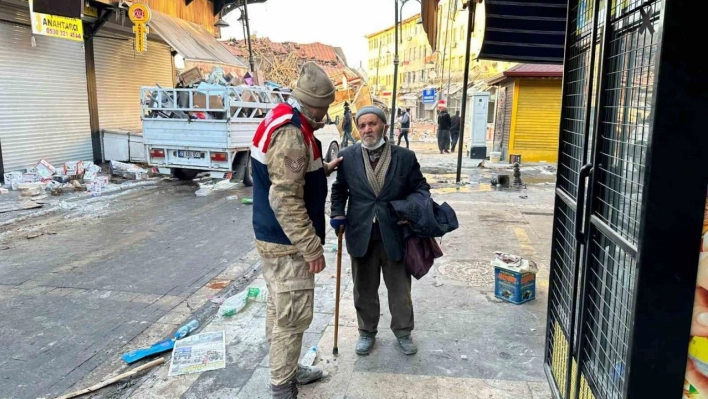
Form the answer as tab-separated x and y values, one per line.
403	134
454	135
366	272
347	137
443	140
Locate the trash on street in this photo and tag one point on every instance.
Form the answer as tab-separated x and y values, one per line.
198	353
236	303
514	278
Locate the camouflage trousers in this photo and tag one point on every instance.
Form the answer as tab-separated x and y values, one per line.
291	292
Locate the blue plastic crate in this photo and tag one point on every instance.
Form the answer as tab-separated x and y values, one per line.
513	286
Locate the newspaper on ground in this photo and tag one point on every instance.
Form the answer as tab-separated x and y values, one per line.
198	353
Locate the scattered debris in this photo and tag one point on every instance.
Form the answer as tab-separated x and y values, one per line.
463	357
514	278
247	201
236	303
523	196
309	358
162	346
24	205
198	353
34	235
232	197
115	379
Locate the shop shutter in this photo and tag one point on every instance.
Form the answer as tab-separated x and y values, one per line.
120	73
538	115
43	97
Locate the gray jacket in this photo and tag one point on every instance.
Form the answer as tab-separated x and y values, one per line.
402	179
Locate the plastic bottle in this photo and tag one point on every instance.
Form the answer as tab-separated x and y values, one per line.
186	329
258	294
309	358
236	303
247	201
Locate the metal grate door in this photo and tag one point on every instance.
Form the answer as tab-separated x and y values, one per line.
607	97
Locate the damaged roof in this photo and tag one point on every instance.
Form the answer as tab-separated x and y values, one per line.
529	71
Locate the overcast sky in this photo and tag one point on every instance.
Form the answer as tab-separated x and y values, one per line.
338	23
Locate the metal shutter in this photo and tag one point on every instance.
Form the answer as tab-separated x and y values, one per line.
43	97
120	73
538	116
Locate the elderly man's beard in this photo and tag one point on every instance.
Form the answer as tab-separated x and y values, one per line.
380	142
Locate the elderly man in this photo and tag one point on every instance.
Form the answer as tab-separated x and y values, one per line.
289	194
373	173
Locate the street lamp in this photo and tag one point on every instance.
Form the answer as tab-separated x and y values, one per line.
397	21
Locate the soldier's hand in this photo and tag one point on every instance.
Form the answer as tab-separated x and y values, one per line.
317	265
332	166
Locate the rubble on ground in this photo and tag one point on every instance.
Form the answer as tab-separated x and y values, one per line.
36	184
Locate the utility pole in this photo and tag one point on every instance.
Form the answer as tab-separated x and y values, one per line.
471	5
251	62
395	72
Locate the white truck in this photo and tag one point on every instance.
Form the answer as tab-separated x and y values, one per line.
211	129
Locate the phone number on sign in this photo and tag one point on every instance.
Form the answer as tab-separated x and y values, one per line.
61	33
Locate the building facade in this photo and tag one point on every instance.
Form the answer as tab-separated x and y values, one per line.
527	111
58	95
422	68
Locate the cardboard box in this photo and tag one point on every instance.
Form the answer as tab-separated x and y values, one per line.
191	76
514	287
215	102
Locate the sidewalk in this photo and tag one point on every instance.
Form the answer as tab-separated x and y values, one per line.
471	345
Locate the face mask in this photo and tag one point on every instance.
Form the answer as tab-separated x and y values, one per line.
375	146
296	104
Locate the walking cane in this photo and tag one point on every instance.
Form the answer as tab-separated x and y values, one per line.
335	351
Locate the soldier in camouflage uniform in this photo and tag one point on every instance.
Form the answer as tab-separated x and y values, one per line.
289	194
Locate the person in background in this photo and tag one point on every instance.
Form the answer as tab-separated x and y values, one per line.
444	123
455	130
289	196
347	126
371	175
405	120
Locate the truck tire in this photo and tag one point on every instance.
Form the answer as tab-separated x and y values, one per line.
185	174
248	176
332	152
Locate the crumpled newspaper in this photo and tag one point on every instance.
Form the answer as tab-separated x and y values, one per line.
513	263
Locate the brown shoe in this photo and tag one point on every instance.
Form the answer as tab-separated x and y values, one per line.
286	391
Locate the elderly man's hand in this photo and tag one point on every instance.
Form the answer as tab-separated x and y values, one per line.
338	222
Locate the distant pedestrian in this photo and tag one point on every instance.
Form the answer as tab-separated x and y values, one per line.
405	126
444	123
455	130
347	126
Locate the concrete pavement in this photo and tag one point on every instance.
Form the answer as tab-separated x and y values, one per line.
111	274
472	345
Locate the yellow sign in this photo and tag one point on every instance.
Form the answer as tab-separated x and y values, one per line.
141	32
56	26
139	14
90	11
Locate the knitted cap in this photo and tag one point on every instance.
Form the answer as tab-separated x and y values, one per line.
370	109
314	88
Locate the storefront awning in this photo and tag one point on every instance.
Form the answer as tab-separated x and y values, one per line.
192	41
429	14
524	31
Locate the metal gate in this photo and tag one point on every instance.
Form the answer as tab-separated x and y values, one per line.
607	96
